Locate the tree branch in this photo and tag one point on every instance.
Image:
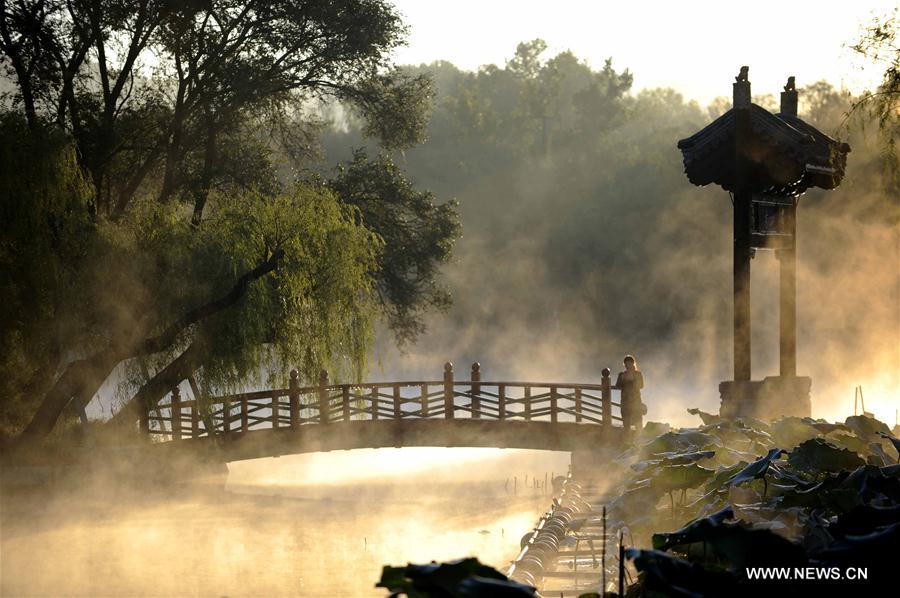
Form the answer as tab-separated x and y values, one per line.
158	386
170	334
84	376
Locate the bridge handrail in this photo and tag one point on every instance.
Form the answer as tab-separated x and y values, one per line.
582	403
267	394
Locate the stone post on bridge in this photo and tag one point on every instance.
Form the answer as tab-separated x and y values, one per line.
175	409
294	398
476	390
323	397
605	399
448	390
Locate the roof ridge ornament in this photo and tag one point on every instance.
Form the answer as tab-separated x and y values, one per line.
741	96
789	98
789	155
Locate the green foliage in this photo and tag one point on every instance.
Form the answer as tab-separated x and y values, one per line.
218	68
893	440
824	508
395	107
317	307
866	427
879	46
757	469
708	418
672	576
695	531
817	454
160	230
418	235
46	239
464	578
74	283
679	477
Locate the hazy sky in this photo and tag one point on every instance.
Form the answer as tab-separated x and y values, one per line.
693	46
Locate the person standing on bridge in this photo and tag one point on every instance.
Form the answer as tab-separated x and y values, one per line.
630	382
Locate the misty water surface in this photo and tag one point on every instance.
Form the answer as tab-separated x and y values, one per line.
294	526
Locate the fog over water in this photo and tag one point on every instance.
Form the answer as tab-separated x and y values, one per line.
309	525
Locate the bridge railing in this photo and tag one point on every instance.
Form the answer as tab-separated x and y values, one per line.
324	403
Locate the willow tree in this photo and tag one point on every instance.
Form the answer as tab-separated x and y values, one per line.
269	281
199	248
879	46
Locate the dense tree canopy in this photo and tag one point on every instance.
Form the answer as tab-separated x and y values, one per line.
407	282
166	224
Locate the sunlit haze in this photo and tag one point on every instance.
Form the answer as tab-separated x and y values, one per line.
694	47
299	298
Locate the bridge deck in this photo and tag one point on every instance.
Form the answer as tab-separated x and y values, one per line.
566	436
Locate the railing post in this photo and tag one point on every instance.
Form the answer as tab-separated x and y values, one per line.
527	402
476	390
345	401
226	416
398	412
175	409
424	401
195	410
606	398
323	397
577	405
294	397
276	410
144	425
553	397
374	394
501	400
195	419
245	416
448	390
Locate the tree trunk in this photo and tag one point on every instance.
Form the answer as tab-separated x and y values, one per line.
201	192
158	386
82	378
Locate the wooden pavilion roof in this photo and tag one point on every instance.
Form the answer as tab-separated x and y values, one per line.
786	155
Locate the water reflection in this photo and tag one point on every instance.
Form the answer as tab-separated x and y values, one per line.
283	528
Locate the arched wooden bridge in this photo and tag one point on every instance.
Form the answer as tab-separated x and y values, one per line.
562	416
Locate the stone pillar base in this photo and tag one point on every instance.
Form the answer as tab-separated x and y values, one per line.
770	398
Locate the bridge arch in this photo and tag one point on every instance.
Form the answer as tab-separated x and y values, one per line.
562	416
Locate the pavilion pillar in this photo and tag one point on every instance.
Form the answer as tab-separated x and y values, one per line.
787	291
742	250
787	258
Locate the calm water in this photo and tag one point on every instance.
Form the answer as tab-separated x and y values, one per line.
286	527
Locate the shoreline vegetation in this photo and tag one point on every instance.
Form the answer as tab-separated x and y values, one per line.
700	509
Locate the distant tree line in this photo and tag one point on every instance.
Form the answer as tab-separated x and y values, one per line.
584	239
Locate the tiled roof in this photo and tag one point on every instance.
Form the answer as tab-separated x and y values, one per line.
786	155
